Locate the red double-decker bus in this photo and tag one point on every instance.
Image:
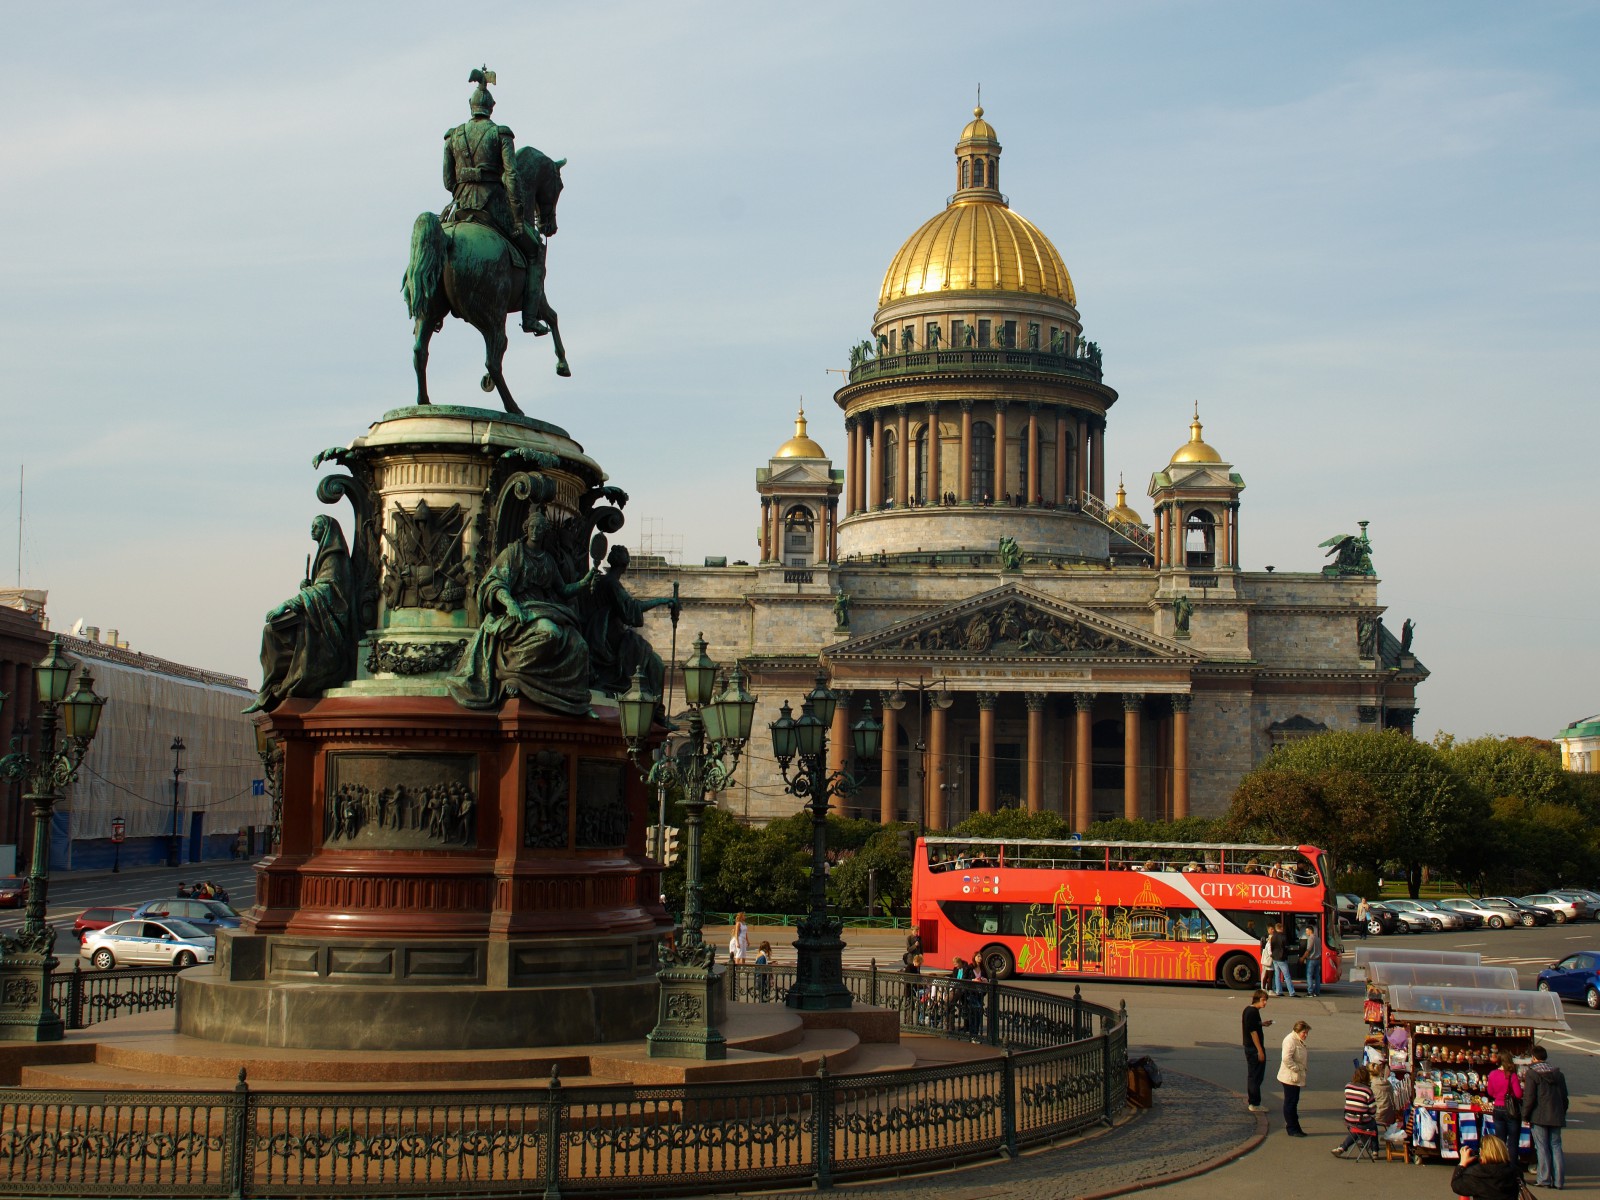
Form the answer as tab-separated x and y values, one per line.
1171	912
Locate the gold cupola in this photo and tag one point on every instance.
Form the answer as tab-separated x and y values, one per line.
800	446
1195	450
977	244
1120	511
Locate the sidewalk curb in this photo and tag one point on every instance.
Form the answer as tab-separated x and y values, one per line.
1223	1160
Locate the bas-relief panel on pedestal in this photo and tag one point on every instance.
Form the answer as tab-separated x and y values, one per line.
400	801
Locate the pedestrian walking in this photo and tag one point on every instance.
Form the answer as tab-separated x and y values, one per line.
1313	959
1280	961
1544	1107
739	943
1292	1069
1255	1050
1363	911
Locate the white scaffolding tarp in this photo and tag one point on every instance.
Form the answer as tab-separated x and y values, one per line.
128	770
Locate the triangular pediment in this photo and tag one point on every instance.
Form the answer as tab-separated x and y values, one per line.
1012	621
809	471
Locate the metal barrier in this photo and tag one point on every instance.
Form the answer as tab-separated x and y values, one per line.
83	998
1056	1076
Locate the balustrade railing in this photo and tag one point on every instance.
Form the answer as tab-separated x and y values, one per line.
1059	1067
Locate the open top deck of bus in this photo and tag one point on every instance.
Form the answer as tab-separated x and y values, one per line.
1072	842
1290	864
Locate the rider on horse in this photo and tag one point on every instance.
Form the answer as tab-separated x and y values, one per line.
480	174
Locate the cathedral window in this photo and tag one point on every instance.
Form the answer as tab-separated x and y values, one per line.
1008	334
891	460
799	534
966	173
983	332
1200	539
977	172
919	468
982	461
994	172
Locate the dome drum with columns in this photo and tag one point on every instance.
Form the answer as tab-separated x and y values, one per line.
977	396
1116	666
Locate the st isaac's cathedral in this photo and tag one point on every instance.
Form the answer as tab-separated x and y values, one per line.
1025	641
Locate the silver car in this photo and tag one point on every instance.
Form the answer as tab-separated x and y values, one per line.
1561	911
1494	918
1423	915
167	943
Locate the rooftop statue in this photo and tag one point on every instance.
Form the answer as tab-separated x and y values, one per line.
484	256
1351	553
309	643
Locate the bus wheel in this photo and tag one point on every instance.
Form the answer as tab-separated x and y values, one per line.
998	962
1239	972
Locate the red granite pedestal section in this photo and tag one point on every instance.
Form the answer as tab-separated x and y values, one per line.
534	923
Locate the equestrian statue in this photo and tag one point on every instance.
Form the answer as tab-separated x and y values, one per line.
484	255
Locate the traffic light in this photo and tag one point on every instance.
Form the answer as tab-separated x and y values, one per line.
669	855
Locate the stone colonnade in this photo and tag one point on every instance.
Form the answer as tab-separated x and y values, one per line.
1079	453
774	511
1076	772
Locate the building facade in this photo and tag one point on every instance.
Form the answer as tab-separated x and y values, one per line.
1025	642
1580	745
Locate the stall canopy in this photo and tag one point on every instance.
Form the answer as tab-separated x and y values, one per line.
1387	974
1480	1007
1366	955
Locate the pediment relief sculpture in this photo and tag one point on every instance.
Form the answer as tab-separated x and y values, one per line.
1013	627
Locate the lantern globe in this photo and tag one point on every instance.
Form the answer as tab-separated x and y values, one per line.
636	708
50	675
699	675
81	710
714	716
783	734
809	731
943	699
867	734
739	708
824	701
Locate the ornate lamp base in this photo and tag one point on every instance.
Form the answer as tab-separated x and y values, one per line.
819	966
691	1007
25	1012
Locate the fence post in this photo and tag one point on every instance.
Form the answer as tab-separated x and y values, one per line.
873	990
1077	1013
824	1137
1008	1105
994	1011
1105	1076
551	1149
74	1012
241	1137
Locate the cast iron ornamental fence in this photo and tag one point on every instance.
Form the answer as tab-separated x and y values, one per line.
1056	1077
83	998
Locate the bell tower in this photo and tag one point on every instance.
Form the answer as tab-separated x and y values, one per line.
799	504
1196	525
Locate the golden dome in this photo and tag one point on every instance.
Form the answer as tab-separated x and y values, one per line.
1121	511
1195	450
977	243
979	130
800	446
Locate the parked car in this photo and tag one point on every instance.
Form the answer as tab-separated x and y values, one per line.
1469	920
168	943
1585	899
1561	911
205	915
1577	977
1525	914
13	891
97	918
1431	917
1494	918
1404	921
1379	920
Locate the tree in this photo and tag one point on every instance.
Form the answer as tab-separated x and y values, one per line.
1435	817
1189	829
1013	823
1511	767
1336	810
882	854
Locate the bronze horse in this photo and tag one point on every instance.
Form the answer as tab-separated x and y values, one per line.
468	270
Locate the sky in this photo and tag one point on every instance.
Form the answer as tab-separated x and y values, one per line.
1361	236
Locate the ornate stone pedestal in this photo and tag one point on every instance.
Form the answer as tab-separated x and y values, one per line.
455	870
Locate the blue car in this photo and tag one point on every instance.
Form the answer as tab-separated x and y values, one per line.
1575	977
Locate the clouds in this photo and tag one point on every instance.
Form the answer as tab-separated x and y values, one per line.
1361	237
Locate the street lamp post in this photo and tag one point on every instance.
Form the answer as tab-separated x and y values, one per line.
934	689
173	855
719	726
819	960
27	957
267	752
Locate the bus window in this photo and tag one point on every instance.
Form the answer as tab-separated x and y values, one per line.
995	919
1256	924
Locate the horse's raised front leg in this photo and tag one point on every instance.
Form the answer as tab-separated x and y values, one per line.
419	356
494	346
548	315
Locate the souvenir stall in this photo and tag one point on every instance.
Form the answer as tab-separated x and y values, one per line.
1444	1041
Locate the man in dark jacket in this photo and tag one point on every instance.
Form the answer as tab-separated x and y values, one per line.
1544	1107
